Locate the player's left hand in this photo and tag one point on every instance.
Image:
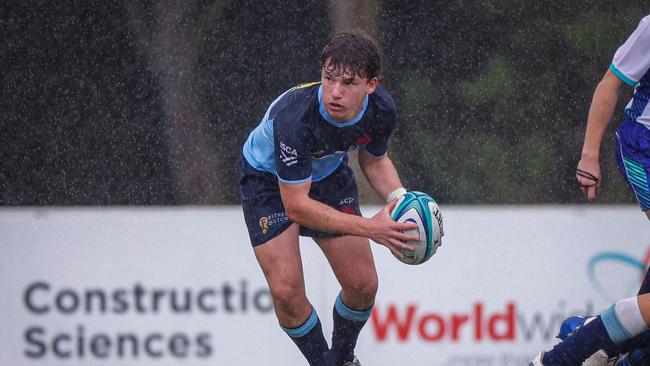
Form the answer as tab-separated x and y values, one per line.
589	178
389	233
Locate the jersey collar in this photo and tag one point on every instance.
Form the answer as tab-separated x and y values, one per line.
331	120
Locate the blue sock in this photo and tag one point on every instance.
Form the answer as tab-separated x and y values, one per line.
310	340
579	346
347	326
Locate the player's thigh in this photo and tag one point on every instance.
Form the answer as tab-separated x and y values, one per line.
281	263
644	306
645	285
352	262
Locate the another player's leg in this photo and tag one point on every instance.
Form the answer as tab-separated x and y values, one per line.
633	352
645	285
351	260
282	266
623	321
636	351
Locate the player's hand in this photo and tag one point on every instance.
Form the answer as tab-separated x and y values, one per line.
389	233
589	178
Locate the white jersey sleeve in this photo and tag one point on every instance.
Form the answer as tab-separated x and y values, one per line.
632	59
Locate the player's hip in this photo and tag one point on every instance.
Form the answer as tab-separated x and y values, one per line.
264	211
633	159
634	138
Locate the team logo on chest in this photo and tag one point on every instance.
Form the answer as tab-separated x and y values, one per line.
363	140
288	154
359	141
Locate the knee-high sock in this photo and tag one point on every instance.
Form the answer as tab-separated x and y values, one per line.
619	323
310	340
348	323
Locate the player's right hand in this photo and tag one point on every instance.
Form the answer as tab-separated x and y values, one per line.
389	233
589	178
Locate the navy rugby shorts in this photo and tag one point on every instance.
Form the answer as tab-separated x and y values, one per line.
633	159
263	209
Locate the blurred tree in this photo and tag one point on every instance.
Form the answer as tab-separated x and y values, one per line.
79	111
251	56
150	102
349	15
494	95
170	34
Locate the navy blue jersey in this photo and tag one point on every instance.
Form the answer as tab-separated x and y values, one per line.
299	142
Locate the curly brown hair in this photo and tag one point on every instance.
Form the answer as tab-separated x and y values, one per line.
353	53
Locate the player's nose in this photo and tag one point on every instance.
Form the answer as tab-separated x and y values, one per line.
337	91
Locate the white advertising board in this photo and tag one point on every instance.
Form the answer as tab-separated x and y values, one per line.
180	285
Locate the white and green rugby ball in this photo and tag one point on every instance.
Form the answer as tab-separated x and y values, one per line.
423	210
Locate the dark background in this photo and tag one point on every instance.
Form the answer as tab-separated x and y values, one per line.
132	103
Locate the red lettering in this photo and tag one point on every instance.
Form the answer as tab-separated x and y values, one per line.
478	321
435	327
403	326
508	327
456	321
440	326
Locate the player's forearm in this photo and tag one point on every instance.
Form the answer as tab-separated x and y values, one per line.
600	113
381	174
319	216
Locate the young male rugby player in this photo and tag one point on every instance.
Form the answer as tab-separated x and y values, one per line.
295	180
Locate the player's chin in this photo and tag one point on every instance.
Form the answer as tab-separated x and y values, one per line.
339	116
337	112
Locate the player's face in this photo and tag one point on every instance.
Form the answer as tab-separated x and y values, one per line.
343	95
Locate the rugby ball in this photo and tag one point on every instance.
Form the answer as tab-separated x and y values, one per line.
423	210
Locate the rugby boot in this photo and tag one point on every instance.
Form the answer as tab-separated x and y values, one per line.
354	362
599	358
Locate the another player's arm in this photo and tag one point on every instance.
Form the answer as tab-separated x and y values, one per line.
380	173
600	113
305	211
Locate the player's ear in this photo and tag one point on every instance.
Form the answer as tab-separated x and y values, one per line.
372	85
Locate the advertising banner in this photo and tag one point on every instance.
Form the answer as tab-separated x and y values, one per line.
180	285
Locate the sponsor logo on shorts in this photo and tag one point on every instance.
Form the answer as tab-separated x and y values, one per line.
346	205
273	219
264	224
